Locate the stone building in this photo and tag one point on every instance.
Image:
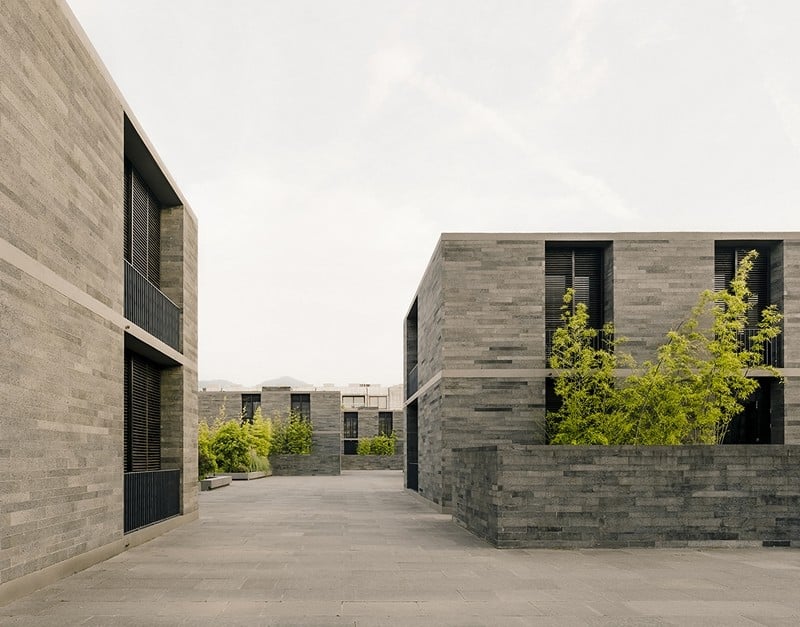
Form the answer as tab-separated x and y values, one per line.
478	329
98	313
347	414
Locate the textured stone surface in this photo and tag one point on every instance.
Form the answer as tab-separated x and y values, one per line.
372	462
622	496
62	330
359	550
481	332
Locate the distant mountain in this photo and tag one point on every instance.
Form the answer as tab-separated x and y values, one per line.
284	382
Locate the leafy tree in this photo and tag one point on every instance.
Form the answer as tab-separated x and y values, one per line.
206	460
231	446
292	436
590	411
378	445
689	395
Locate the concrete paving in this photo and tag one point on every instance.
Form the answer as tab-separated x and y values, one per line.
359	550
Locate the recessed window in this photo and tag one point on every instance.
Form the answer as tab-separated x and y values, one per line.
250	403
385	426
301	405
351	425
142	414
353	401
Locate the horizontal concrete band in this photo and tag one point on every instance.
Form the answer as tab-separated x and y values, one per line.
43	274
536	373
29	583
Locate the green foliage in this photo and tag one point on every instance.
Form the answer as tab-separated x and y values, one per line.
231	446
292	436
689	395
590	412
206	460
378	445
260	433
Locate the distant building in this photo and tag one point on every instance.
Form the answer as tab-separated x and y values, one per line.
362	411
478	331
98	313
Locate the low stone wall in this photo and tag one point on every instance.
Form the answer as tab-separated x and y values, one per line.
372	462
283	465
625	496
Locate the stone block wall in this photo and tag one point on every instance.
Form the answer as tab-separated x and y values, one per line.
481	329
372	462
626	496
62	324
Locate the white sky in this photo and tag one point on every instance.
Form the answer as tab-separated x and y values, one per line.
324	146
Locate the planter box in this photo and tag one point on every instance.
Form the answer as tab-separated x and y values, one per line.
372	462
298	465
212	483
247	476
629	496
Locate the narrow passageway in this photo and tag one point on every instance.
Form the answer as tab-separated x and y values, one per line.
360	550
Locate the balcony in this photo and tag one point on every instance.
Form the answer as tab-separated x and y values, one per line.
151	497
147	306
598	341
412	384
772	353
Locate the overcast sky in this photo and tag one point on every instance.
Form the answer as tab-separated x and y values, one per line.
324	146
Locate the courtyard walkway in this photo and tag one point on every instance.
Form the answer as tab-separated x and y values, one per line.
359	550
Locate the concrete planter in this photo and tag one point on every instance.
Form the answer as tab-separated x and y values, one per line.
621	496
247	476
372	462
212	483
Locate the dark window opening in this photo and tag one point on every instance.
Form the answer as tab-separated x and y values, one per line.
579	269
351	424
301	405
142	227
142	414
385	423
726	262
754	424
250	403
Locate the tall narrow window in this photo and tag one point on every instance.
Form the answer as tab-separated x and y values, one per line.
385	426
301	404
351	425
580	269
142	226
250	403
726	262
142	414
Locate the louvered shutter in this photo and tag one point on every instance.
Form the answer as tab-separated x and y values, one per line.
142	426
558	278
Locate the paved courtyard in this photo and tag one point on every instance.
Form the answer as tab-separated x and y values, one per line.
359	550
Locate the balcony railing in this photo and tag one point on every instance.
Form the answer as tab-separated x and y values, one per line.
598	341
772	353
150	497
148	307
412	384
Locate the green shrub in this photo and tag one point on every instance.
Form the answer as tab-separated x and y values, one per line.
206	460
260	433
364	446
292	436
379	445
231	445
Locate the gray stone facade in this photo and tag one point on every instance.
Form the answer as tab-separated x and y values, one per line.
325	416
475	335
66	132
325	409
629	496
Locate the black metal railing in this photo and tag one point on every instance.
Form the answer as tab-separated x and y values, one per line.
148	307
601	340
412	384
150	497
771	353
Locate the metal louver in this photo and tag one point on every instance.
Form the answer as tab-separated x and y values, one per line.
580	269
142	227
142	414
